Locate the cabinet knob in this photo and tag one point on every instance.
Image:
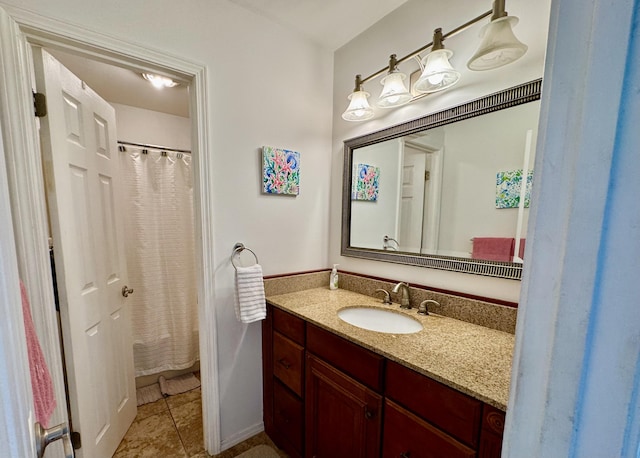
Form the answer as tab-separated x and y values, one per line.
284	363
405	454
368	413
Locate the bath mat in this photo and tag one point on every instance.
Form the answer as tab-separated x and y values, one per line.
147	394
259	451
177	385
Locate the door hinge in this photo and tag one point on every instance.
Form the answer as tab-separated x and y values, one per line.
75	440
427	175
40	104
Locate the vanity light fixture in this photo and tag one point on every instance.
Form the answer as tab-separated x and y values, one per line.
498	47
158	81
438	74
359	108
395	92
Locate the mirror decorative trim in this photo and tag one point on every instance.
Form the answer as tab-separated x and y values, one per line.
511	97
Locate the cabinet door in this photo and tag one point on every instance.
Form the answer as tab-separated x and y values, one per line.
492	430
343	417
409	436
287	418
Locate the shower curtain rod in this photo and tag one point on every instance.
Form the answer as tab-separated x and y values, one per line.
163	148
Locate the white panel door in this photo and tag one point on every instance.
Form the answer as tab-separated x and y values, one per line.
79	153
412	199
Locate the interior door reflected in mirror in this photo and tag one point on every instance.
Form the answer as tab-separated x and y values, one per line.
458	189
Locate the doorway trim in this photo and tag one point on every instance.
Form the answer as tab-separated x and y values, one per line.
27	185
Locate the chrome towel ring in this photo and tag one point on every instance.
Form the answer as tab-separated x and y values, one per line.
237	249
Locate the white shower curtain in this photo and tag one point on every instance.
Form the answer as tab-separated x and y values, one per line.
160	259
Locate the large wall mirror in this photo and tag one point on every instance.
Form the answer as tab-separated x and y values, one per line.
448	191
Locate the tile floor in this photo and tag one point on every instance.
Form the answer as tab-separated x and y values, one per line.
172	428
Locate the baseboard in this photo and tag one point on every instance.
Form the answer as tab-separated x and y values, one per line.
241	436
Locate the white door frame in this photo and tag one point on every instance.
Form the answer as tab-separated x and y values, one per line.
27	188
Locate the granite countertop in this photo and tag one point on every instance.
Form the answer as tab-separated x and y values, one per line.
470	358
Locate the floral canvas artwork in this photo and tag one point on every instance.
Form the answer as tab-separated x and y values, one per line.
366	183
508	188
280	171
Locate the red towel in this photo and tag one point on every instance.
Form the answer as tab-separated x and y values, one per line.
44	401
493	248
521	250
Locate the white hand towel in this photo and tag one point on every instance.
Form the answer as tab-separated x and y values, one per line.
250	304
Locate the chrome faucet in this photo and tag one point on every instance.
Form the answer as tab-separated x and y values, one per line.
423	309
404	298
387	297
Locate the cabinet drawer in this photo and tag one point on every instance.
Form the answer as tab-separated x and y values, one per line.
287	416
362	364
288	360
405	434
455	413
288	325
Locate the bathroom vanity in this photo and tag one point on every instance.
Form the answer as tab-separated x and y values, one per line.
333	389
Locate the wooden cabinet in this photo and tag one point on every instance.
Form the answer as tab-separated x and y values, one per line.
343	417
325	396
360	363
288	361
283	338
451	411
492	430
407	435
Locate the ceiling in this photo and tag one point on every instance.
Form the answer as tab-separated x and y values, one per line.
119	85
311	18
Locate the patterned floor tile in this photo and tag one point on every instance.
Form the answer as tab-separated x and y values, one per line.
153	436
188	420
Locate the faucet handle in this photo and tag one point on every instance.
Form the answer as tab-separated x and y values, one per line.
423	309
387	297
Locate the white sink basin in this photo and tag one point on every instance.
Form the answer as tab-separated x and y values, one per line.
379	320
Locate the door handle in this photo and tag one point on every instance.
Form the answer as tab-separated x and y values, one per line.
45	436
126	291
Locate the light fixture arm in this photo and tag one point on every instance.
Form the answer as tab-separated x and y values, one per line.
359	82
437	39
498	9
451	33
393	63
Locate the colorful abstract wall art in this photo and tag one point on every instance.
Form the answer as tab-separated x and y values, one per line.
508	188
366	183
280	171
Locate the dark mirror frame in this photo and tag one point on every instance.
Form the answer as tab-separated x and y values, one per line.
511	97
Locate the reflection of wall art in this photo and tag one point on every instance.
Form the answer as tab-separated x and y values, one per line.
508	189
366	182
280	171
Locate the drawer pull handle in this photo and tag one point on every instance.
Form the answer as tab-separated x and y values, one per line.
284	363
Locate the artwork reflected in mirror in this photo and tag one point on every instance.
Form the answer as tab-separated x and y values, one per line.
457	190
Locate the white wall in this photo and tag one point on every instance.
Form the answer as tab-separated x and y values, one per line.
401	32
267	86
138	125
386	156
471	161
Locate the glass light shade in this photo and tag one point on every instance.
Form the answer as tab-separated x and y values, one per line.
358	109
158	81
438	74
499	46
394	93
